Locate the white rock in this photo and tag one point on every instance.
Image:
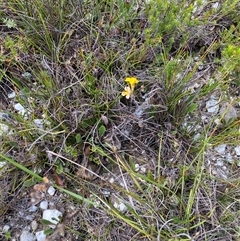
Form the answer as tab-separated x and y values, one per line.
44	205
224	168
40	236
27	236
24	113
106	193
11	95
197	136
52	215
51	190
26	75
143	170
137	167
39	123
219	163
220	149
216	5
5	228
111	180
33	208
3	129
2	163
18	107
120	206
237	150
212	106
229	158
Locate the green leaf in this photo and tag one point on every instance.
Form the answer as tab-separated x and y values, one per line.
30	182
46	222
59	168
78	138
101	130
192	108
10	23
48	231
7	235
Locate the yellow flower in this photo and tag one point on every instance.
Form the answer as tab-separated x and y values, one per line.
132	82
127	92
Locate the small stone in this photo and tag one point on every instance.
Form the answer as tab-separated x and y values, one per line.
203	117
216	5
219	163
2	163
12	95
52	215
106	193
120	206
137	167
5	228
237	150
33	208
40	236
143	170
224	168
196	59
34	225
18	107
220	149
27	236
104	120
26	75
39	123
24	113
212	106
111	180
51	190
197	136
229	158
44	205
3	129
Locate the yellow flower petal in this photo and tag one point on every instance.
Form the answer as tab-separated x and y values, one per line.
132	80
127	92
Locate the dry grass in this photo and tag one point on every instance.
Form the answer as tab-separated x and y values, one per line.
101	151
